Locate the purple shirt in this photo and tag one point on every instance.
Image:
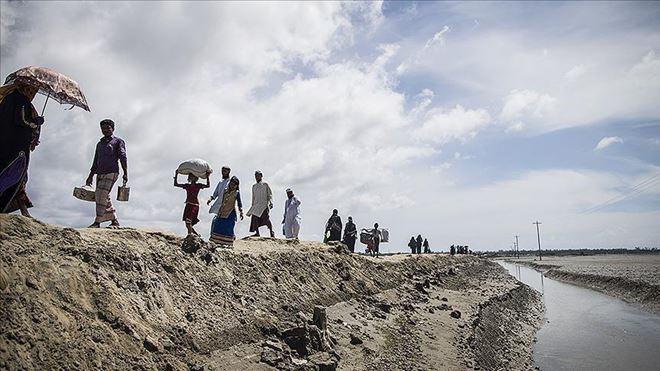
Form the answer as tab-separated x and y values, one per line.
108	152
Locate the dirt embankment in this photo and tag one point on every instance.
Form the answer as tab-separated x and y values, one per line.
131	299
633	278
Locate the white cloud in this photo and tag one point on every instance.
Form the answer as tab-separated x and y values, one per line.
594	77
575	72
647	72
460	156
441	125
523	106
438	38
606	142
420	54
7	23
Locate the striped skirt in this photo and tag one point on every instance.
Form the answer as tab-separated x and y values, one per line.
222	229
104	209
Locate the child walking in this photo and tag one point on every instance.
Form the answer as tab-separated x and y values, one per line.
191	211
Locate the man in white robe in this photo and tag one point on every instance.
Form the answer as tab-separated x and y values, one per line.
262	201
291	218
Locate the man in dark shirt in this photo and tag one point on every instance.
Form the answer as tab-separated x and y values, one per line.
109	150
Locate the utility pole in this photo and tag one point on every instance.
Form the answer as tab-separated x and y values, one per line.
538	236
517	249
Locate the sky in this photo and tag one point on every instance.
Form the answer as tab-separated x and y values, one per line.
462	122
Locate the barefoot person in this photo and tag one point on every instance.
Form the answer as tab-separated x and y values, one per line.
222	228
109	150
262	202
191	211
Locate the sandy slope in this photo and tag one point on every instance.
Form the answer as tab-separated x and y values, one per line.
131	299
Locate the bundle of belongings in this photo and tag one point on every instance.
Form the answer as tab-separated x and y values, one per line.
385	233
365	237
196	167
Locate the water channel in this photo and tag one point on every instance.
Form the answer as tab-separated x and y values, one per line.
587	330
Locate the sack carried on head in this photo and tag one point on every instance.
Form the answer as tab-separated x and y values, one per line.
196	167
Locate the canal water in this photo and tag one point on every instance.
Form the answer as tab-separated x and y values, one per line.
587	330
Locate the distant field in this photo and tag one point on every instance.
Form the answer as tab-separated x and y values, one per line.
645	268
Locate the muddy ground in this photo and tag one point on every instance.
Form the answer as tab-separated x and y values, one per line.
633	278
131	299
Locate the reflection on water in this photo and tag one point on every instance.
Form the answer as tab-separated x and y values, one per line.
587	330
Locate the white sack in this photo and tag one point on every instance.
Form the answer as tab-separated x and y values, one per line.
196	166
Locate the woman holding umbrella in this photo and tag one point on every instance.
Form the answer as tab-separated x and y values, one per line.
20	126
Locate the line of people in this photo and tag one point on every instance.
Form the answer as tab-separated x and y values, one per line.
226	200
372	237
416	244
110	153
459	249
21	127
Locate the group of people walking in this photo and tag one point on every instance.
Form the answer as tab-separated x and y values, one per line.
226	200
372	237
21	128
416	244
459	249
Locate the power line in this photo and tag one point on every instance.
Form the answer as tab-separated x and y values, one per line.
633	191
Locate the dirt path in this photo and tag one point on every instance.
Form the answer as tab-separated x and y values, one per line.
131	299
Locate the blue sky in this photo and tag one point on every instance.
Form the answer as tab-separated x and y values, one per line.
464	122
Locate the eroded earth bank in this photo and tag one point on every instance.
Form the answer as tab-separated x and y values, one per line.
132	299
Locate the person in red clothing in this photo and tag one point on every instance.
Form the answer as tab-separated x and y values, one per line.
191	211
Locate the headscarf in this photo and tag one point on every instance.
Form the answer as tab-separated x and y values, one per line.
5	90
229	199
